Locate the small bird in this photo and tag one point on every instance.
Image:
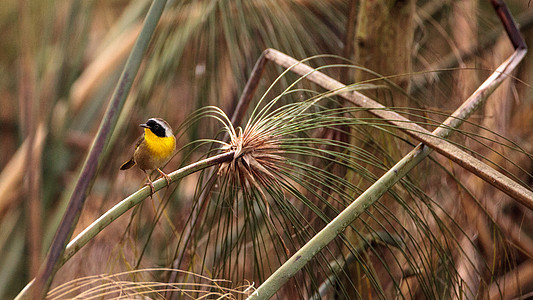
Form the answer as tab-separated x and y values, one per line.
153	150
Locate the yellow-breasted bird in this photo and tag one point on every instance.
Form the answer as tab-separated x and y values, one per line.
154	149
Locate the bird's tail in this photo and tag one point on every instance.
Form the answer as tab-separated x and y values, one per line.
130	163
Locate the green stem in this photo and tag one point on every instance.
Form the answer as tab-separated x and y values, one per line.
123	206
337	225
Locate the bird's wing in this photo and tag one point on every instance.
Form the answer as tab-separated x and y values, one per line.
130	163
141	139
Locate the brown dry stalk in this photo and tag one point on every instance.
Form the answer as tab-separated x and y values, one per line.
433	140
107	61
13	172
468	263
510	285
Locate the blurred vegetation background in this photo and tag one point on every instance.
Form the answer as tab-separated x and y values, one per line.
441	233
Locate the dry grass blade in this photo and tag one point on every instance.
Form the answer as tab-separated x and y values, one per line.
13	172
95	74
509	286
136	284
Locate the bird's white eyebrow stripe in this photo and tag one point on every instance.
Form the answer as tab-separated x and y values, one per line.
168	130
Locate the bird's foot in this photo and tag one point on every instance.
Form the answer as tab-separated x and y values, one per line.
167	178
152	188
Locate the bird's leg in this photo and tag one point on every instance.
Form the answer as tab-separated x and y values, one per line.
149	183
167	178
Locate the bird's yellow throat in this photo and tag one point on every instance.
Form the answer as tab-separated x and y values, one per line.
161	147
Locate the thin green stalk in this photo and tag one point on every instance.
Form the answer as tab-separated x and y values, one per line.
397	172
93	160
123	206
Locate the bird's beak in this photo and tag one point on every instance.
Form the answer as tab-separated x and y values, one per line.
144	125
